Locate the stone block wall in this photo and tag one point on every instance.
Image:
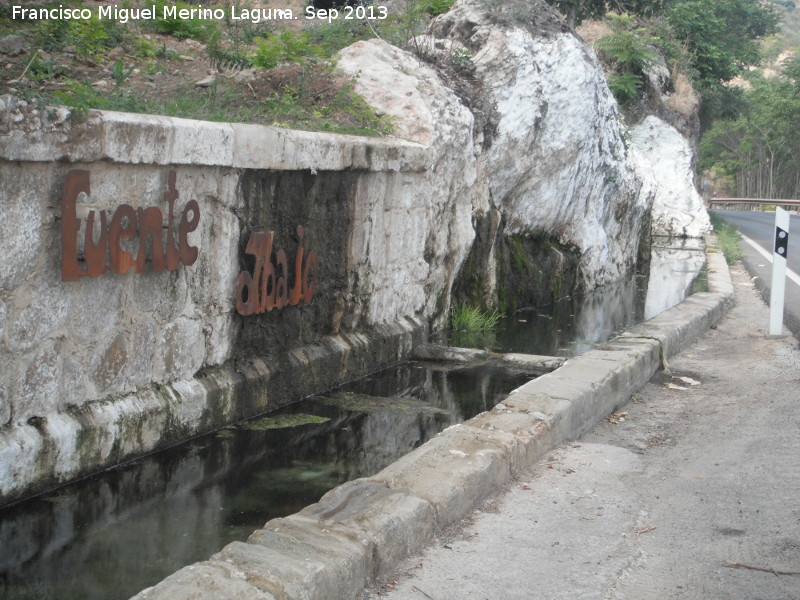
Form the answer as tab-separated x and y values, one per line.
103	369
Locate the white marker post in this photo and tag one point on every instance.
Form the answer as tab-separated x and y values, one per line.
779	271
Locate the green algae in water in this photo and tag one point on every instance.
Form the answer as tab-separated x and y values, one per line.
369	404
700	284
283	422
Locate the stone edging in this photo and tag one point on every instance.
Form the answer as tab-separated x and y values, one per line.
158	140
85	440
364	528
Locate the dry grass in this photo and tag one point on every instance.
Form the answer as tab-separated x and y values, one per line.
591	31
718	186
684	100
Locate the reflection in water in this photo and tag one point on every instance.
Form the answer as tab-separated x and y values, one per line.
577	324
462	391
674	267
112	535
573	325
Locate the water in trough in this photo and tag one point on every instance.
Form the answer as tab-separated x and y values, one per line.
114	534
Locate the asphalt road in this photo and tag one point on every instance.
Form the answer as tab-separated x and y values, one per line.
759	229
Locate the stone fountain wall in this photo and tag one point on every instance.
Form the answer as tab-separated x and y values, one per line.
103	362
231	269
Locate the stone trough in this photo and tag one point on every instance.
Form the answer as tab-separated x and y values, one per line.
361	530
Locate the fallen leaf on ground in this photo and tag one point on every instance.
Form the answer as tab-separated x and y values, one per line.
672	386
616	418
689	380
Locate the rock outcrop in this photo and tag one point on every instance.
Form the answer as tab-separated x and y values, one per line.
678	209
544	155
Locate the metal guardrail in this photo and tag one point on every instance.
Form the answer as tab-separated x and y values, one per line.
753	202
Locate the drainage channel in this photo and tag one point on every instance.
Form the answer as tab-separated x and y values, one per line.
112	535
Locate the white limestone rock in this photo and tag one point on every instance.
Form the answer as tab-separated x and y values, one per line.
678	209
556	163
413	225
559	165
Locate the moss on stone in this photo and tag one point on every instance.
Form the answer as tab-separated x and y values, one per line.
282	422
521	262
529	270
534	270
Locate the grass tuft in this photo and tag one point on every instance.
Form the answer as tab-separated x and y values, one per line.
469	318
728	238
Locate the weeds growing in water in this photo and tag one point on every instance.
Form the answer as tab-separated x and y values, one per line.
469	318
728	238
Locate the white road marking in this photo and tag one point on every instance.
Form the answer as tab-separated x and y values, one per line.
789	273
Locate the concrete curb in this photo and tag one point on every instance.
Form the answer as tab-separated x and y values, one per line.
362	529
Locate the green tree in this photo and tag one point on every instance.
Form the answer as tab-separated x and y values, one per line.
577	11
722	35
759	152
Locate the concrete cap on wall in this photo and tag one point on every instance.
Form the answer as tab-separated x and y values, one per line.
151	139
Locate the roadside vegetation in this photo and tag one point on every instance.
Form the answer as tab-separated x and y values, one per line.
276	72
712	41
741	56
728	238
756	151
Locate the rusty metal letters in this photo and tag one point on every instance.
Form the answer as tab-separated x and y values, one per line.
107	254
267	287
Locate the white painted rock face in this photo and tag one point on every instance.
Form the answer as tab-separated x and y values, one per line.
428	214
559	165
678	209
